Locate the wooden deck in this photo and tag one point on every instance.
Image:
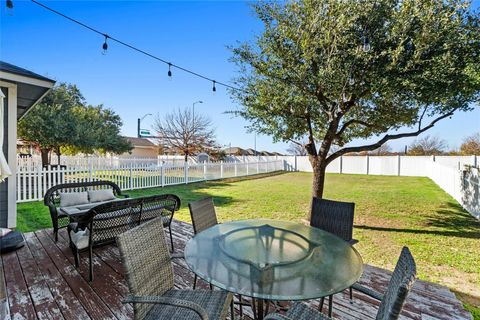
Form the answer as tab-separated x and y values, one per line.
40	281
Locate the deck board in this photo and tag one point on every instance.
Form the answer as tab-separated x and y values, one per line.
40	281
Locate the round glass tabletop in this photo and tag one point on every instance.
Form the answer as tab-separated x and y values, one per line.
273	260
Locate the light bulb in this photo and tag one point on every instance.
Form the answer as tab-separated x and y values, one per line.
214	89
9	7
169	71
351	80
366	44
105	46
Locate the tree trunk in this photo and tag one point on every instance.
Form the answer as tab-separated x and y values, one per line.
319	167
44	153
58	156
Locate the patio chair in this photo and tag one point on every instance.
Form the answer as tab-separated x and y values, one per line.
203	215
391	303
149	275
335	217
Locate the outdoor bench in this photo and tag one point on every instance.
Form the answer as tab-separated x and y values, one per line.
103	223
64	200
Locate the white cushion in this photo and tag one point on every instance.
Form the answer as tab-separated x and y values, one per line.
100	195
80	238
73	198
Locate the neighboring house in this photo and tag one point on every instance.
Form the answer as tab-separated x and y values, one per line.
142	148
22	90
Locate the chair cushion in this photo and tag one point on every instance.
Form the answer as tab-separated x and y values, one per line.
80	238
69	199
100	195
215	302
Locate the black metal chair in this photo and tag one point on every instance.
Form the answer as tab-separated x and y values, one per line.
335	217
391	303
150	279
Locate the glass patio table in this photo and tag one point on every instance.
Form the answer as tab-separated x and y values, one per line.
273	260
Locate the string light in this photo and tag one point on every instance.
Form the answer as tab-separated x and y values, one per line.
351	80
9	4
169	70
138	50
105	45
366	44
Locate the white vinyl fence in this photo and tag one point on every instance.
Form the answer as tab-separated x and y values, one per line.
34	181
457	175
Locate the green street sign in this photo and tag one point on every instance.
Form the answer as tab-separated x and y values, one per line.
144	132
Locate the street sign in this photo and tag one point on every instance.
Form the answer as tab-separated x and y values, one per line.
144	132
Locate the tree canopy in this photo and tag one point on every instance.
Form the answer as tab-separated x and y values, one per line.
63	122
471	145
335	71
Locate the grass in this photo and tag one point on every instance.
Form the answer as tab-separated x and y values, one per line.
391	212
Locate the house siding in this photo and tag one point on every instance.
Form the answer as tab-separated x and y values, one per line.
4	185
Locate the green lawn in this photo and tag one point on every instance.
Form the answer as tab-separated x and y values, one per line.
390	212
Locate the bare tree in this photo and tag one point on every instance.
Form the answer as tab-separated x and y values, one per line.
297	149
184	132
383	150
427	146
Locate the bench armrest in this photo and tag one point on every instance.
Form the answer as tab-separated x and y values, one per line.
369	292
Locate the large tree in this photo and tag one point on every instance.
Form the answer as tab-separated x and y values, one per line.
185	132
50	124
336	70
63	122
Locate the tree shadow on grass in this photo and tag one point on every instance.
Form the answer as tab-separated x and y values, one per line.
450	220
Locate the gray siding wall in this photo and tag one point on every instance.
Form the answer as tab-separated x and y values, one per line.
3	185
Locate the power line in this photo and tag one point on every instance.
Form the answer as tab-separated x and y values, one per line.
108	37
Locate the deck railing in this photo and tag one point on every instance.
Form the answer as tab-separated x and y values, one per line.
33	182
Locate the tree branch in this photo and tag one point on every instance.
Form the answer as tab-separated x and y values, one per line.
386	138
349	123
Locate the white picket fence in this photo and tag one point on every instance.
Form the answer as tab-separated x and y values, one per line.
33	182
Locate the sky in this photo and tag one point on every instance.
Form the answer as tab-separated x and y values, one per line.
192	34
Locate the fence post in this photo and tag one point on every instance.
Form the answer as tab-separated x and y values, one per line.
474	161
235	166
185	170
90	169
39	182
221	169
130	182
257	166
340	165
162	174
398	165
205	171
368	163
246	163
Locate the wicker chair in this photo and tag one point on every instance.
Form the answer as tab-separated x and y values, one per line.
203	215
52	199
103	223
335	217
391	303
149	275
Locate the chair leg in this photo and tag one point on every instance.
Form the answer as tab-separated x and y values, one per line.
211	286
55	233
320	305
350	291
330	305
241	306
171	237
76	256
90	253
194	281
232	310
